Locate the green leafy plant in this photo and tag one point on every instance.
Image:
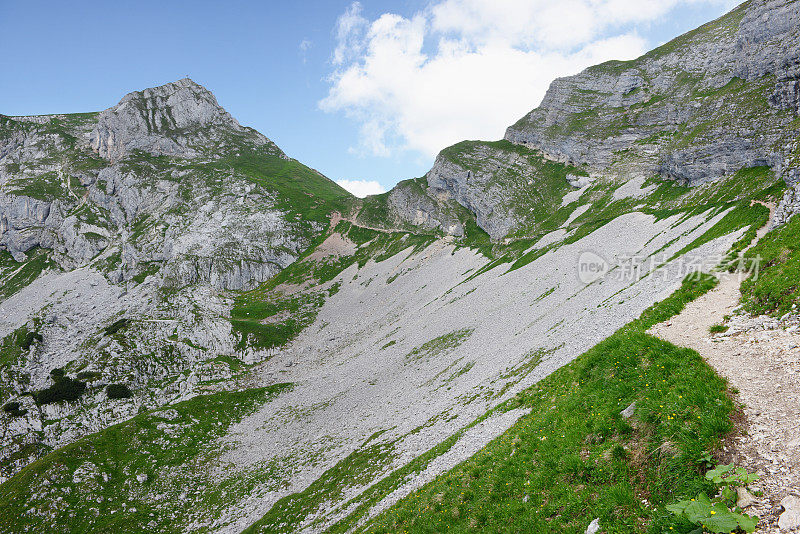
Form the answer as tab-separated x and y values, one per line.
13	409
719	514
718	328
30	339
707	460
118	391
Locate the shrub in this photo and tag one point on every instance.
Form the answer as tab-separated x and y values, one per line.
12	408
88	375
63	389
718	328
118	391
57	374
29	339
116	326
720	513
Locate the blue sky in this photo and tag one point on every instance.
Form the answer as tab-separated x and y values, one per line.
365	91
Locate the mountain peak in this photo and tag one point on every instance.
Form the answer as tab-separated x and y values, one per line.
159	120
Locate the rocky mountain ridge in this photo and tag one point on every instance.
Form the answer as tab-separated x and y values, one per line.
296	360
134	176
718	99
149	210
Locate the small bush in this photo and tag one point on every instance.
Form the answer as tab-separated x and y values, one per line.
118	391
116	326
718	328
13	409
63	389
89	376
29	340
57	374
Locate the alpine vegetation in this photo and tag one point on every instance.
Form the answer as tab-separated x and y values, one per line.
199	333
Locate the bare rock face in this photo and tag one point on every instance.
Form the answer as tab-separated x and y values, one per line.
159	120
790	518
26	223
180	119
700	107
416	207
180	212
475	189
786	95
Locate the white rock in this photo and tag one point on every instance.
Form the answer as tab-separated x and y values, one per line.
744	498
628	412
790	518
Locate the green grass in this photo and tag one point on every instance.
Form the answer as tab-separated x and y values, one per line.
253	308
301	190
440	345
775	286
717	329
22	274
176	453
12	347
375	211
741	215
574	458
357	468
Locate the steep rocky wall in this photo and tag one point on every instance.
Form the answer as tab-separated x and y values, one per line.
702	106
154	201
414	206
172	119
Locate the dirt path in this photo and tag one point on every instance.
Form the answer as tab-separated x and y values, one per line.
762	361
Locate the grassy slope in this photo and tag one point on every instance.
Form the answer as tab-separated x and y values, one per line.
775	287
734	194
15	276
301	190
175	450
574	458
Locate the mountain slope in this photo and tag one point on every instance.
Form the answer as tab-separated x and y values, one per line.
697	109
415	328
137	216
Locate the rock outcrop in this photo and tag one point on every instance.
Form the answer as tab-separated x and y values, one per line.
175	119
414	206
154	195
26	223
697	108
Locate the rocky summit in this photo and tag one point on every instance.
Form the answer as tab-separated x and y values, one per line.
202	334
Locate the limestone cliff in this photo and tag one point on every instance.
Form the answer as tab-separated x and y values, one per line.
699	108
164	178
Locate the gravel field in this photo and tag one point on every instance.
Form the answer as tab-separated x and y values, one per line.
352	381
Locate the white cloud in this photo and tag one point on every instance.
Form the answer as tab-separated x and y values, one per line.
362	188
350	29
466	69
304	46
